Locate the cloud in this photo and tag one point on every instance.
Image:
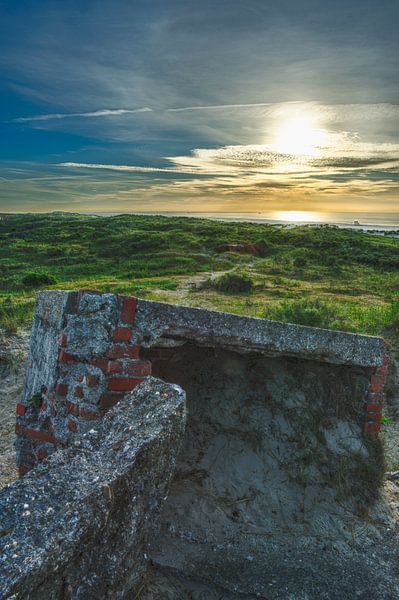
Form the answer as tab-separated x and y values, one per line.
219	106
127	168
103	112
342	152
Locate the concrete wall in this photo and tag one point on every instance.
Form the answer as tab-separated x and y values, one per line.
79	525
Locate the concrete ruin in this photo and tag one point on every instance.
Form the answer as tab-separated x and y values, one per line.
79	525
276	490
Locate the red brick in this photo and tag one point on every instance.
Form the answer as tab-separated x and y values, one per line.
23	471
88	414
101	363
371	427
72	425
375	388
21	409
128	312
37	435
92	380
115	367
140	368
375	398
122	334
72	408
64	357
122	384
78	392
110	399
41	455
377	380
62	339
381	371
374	408
374	417
123	351
61	389
387	360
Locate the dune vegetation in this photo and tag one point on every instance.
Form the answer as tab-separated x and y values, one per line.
320	276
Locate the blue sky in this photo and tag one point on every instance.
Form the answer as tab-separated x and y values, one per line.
183	105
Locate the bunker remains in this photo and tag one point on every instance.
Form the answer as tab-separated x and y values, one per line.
276	492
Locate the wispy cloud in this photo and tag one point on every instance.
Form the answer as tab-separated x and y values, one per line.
103	112
127	168
219	106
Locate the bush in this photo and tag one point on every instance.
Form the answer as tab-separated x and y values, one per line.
314	313
233	283
34	279
300	262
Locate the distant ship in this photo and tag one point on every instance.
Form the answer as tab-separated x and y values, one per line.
356	223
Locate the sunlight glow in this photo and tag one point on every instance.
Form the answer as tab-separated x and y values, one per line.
299	136
297	216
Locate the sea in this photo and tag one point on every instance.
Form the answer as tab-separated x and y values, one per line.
358	220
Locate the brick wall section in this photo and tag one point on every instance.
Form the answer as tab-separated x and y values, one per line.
98	362
85	357
374	399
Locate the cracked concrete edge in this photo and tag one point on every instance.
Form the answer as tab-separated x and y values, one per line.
156	320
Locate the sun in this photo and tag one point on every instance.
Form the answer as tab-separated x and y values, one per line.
299	135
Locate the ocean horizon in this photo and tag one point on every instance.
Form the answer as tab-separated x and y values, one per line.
363	220
358	220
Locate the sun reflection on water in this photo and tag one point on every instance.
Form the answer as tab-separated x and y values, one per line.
297	216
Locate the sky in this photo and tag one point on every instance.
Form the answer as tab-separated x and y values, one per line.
199	105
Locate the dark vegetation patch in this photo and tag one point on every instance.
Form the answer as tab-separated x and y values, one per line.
232	283
38	280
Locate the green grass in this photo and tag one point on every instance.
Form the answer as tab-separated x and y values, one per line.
314	275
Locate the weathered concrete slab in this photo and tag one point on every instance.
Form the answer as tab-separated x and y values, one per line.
156	320
79	525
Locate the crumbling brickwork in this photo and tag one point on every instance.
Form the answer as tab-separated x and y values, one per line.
374	399
85	356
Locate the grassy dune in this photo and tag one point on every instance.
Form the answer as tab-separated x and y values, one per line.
314	275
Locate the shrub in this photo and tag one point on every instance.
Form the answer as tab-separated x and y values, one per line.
233	283
300	262
314	313
35	279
